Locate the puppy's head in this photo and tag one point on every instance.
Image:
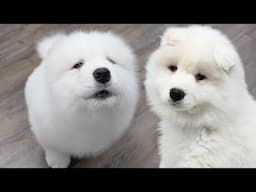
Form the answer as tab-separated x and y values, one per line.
195	67
91	68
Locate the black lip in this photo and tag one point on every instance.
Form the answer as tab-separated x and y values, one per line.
175	104
103	94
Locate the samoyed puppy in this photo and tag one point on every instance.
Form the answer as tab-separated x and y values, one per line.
195	83
83	95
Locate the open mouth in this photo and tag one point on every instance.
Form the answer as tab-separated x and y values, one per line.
103	94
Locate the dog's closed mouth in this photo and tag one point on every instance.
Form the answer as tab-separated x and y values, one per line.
103	94
176	104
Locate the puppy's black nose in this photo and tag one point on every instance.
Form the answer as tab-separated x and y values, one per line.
102	75
176	94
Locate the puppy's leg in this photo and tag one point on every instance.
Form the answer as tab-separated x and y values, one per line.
191	163
183	163
162	164
56	159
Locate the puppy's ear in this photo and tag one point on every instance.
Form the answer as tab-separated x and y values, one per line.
45	45
226	57
172	36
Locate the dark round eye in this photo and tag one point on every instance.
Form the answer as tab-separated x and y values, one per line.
78	65
200	76
173	68
111	60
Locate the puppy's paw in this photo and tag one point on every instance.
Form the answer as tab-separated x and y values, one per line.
57	160
164	164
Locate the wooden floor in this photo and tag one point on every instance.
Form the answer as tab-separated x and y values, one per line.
138	147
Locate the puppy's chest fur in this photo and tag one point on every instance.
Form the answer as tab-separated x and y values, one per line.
199	147
176	141
83	131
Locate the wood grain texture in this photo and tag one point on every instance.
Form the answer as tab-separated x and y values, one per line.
138	147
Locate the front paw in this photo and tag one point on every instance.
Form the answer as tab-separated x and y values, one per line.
189	164
181	164
57	160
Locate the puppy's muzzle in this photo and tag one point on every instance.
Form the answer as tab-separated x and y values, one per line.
102	75
176	94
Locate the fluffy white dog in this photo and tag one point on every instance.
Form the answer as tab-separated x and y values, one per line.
195	83
83	95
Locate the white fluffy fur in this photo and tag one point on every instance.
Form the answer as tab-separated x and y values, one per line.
215	124
63	117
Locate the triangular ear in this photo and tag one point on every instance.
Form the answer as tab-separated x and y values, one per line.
172	36
226	57
44	45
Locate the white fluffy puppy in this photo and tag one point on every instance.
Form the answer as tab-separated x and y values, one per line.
83	95
195	83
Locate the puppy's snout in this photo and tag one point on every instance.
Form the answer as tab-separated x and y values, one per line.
102	75
177	94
